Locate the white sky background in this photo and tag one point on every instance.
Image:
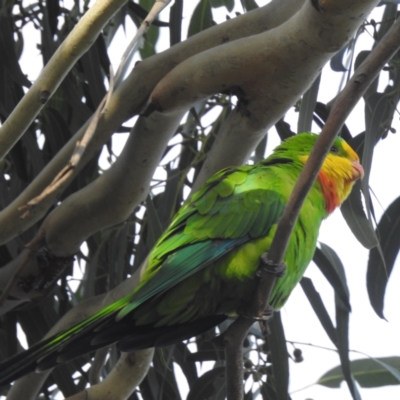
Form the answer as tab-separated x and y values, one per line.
368	333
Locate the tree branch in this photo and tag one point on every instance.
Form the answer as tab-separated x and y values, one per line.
119	384
299	49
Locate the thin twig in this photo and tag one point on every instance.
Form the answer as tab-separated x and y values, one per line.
66	173
345	102
97	365
158	6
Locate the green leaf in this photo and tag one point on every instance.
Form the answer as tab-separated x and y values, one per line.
378	274
209	385
53	11
7	51
180	356
336	62
342	329
319	308
249	5
334	272
260	149
353	212
154	225
229	4
148	48
279	356
201	18
175	22
307	107
368	372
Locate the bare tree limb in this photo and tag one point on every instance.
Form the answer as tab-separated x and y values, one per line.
127	374
97	365
266	97
113	196
63	178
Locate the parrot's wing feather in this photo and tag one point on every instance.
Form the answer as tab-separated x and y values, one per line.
194	257
216	220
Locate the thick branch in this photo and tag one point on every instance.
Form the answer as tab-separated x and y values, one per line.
284	63
127	374
345	102
112	197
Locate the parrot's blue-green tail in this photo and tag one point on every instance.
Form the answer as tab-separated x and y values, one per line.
53	350
71	344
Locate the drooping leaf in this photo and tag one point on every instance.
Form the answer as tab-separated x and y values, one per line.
259	153
342	330
175	18
249	5
162	362
201	18
307	107
319	308
209	385
180	356
337	63
94	75
150	40
53	12
8	55
368	372
142	9
353	208
154	224
378	273
279	357
229	4
353	212
333	270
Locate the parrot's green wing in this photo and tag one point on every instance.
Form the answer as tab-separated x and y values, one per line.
227	212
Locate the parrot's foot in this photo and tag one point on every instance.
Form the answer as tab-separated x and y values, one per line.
266	265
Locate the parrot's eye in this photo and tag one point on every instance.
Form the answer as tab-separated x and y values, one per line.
334	149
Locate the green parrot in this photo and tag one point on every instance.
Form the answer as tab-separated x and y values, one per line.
202	269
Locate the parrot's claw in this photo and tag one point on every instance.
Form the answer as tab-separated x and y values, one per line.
266	265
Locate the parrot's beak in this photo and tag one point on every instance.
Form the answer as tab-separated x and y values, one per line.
358	171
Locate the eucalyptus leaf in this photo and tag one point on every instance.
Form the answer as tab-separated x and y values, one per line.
368	372
379	270
330	265
201	18
279	357
307	107
319	308
209	385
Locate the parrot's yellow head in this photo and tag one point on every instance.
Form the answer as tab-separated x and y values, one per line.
339	171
